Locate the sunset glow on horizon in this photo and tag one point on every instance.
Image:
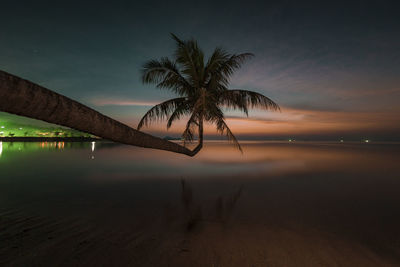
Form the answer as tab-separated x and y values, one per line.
294	122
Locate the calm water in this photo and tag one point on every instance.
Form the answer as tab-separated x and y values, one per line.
348	191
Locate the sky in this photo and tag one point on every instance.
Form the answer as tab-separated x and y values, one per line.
333	67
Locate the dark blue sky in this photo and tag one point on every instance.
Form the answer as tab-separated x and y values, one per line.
334	63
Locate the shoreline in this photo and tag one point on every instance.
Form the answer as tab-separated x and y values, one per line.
91	139
49	139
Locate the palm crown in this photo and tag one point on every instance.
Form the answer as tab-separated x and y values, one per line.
203	90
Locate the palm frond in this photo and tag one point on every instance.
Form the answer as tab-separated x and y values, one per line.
215	115
165	74
215	61
234	63
243	100
190	57
189	132
182	109
197	112
212	112
223	129
160	111
219	77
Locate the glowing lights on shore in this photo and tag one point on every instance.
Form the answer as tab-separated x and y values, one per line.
12	129
366	140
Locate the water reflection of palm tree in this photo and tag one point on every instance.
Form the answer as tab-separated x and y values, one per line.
203	90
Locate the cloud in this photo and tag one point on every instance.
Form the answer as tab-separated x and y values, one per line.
316	122
121	102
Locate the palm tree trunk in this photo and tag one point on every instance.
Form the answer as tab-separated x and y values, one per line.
22	97
200	145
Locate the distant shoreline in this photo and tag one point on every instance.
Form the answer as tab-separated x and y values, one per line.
49	139
91	139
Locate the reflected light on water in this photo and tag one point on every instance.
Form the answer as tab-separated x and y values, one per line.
57	145
260	159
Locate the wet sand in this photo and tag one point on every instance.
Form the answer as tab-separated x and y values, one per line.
34	241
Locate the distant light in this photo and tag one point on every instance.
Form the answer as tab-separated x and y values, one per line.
93	146
20	128
341	140
290	140
92	157
2	127
366	141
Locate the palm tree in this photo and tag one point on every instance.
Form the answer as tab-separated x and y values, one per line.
202	88
22	97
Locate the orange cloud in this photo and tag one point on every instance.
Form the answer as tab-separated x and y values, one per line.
295	122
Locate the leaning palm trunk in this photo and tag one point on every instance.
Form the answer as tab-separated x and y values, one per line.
22	97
